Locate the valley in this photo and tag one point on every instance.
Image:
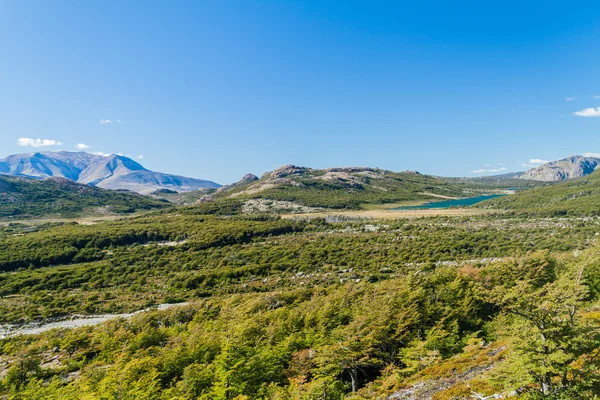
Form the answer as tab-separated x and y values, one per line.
358	283
299	200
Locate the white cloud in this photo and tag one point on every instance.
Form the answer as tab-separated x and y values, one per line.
81	146
538	161
597	155
484	171
38	142
534	163
588	112
99	153
140	157
111	121
570	98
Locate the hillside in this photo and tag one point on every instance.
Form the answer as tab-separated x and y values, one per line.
25	197
349	187
108	172
274	309
567	168
574	197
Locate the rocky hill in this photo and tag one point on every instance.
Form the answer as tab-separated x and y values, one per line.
108	172
567	168
347	187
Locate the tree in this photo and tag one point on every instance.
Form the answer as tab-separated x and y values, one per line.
558	349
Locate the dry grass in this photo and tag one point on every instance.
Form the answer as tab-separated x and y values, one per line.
80	220
393	214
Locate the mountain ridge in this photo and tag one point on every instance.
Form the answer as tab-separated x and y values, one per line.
108	172
575	166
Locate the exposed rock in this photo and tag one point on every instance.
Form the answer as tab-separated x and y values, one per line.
567	168
249	178
264	205
287	170
205	199
246	180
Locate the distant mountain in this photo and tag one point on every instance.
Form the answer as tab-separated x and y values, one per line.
22	197
108	172
567	168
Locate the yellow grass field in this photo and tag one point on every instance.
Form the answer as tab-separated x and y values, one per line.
393	214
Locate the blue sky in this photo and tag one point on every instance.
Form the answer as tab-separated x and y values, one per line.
217	89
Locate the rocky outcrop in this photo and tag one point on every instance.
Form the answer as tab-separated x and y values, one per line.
205	199
249	178
288	170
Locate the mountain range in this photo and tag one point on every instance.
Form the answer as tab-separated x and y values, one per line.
107	172
117	172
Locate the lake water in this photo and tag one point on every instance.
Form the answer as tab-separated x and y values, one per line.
450	203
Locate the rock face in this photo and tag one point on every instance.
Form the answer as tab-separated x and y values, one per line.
108	172
246	180
249	178
567	168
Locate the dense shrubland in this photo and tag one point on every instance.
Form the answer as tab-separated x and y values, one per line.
357	339
125	265
304	310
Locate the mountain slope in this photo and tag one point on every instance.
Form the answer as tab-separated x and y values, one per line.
60	164
350	187
567	168
26	197
574	197
109	172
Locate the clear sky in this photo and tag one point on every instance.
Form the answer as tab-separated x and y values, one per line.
216	89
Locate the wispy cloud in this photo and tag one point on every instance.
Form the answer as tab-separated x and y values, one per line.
81	146
140	157
588	112
534	163
596	155
570	98
537	161
37	142
99	153
110	121
490	170
596	97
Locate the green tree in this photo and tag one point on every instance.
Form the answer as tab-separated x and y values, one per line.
553	344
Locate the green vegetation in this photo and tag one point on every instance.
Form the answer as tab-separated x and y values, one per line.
577	197
24	197
438	307
296	309
350	188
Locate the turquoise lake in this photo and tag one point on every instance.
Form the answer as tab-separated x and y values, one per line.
450	203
